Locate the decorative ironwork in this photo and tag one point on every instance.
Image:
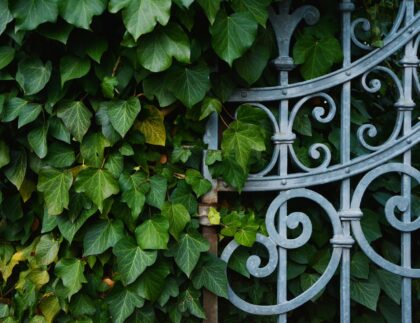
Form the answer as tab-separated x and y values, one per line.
345	222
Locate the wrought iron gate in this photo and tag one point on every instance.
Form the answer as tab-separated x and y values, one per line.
404	37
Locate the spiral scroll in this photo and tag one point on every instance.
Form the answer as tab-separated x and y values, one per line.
374	86
397	202
275	240
320	114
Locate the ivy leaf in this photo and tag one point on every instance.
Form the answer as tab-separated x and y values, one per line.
96	49
190	299
4	154
157	192
199	184
233	35
46	250
214	216
178	217
37	139
5	15
60	31
132	260
158	48
252	64
73	67
97	184
6	55
101	236
365	293
80	12
70	271
211	8
69	228
182	194
153	233
240	139
231	171
122	302
317	55
189	84
156	85
212	275
16	171
28	113
32	75
60	155
359	265
141	16
246	234
76	117
134	189
92	149
257	8
29	14
152	127
55	185
50	307
390	284
123	113
188	251
209	106
152	282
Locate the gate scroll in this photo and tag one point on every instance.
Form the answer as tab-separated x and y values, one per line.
403	37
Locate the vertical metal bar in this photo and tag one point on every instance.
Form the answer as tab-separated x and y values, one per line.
282	271
406	181
346	8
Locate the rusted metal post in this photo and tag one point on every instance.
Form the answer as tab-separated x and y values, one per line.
209	231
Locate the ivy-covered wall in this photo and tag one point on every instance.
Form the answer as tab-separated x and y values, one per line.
103	105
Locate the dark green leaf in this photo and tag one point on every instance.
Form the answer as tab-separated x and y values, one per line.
76	117
189	84
73	67
32	75
101	236
212	275
55	185
141	16
80	12
132	260
153	233
188	251
97	184
233	35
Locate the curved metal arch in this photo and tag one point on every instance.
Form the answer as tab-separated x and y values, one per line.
333	79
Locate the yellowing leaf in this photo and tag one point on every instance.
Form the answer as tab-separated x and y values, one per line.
214	216
26	189
152	127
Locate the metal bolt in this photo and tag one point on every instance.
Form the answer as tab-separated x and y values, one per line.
244	94
347	170
411	30
283	181
348	73
284	92
408	141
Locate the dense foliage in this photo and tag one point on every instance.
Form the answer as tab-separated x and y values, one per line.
103	106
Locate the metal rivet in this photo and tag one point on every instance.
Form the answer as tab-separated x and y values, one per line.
408	141
348	73
283	181
244	94
284	92
411	30
347	170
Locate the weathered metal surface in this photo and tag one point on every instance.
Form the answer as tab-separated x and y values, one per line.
345	220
